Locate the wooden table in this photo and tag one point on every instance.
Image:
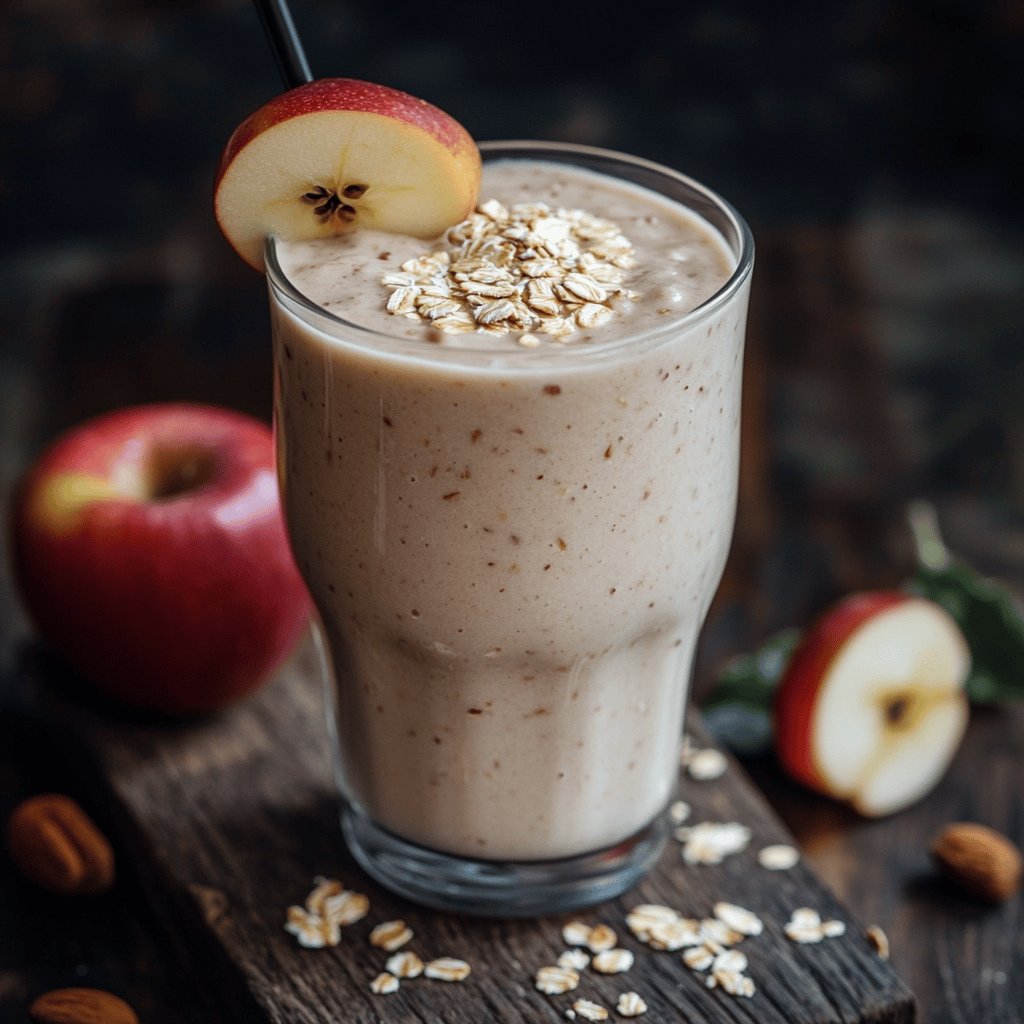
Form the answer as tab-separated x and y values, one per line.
884	363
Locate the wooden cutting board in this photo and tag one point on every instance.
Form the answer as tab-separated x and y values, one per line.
230	819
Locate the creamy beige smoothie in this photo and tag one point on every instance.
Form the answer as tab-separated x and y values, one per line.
512	546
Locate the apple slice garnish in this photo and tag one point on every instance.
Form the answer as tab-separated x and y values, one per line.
335	154
871	708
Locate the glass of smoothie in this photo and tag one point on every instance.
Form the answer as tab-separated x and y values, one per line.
513	528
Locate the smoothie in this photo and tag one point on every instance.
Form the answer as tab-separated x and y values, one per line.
512	545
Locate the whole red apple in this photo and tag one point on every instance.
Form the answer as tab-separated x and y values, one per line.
150	549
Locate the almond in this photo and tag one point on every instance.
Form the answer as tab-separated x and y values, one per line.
980	860
81	1006
57	845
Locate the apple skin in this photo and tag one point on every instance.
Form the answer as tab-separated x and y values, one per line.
797	694
178	604
349	94
436	137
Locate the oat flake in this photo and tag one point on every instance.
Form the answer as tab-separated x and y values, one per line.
447	968
574	959
390	935
780	857
553	981
575	933
679	812
630	1004
879	940
601	937
738	918
613	961
405	965
384	984
589	1011
706	765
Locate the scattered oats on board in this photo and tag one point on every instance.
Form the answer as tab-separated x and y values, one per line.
711	842
390	935
805	926
679	812
538	270
553	981
405	965
613	961
630	1004
575	933
384	984
574	959
879	940
780	857
601	937
589	1011
447	968
739	919
706	765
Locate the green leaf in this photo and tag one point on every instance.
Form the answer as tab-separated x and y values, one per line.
991	622
739	709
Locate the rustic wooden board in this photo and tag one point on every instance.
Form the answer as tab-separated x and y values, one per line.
230	819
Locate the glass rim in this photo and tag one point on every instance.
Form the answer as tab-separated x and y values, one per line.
347	333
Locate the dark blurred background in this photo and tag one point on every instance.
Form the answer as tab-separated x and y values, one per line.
875	148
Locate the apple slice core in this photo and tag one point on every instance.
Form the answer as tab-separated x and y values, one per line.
338	154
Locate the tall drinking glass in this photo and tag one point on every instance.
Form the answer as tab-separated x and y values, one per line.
512	554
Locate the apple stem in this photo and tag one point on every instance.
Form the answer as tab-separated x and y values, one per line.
284	42
923	520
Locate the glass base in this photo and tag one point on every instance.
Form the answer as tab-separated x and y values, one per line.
500	888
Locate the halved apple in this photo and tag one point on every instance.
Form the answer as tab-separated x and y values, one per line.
337	153
871	708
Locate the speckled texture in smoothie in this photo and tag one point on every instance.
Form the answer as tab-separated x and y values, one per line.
512	558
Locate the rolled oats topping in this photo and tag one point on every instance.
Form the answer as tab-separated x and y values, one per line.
384	984
589	1011
613	961
630	1004
526	268
391	935
447	968
405	965
779	857
553	981
574	959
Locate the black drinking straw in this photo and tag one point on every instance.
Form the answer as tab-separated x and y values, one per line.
284	41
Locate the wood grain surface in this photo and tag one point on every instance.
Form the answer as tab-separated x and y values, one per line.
228	822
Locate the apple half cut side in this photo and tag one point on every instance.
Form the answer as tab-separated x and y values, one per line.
337	153
871	708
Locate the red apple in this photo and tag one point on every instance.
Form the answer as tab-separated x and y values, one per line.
151	552
871	707
337	153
